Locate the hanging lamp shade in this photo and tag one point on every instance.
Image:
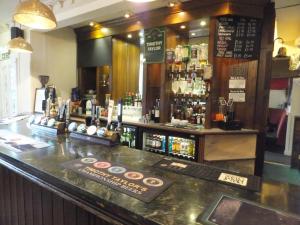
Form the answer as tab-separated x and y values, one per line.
35	14
19	45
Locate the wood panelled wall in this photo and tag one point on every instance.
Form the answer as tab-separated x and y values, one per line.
125	69
244	111
24	203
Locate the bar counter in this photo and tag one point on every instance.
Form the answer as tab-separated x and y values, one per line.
212	144
180	204
164	127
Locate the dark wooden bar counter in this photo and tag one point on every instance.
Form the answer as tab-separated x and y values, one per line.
35	189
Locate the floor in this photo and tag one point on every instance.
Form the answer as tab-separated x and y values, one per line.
277	167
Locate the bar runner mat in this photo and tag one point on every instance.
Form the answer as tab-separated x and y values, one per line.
210	173
140	185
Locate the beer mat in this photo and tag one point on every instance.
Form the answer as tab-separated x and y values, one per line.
210	173
140	185
233	211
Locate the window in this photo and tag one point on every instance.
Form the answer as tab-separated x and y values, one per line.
8	87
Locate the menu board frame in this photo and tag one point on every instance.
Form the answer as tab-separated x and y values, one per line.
240	39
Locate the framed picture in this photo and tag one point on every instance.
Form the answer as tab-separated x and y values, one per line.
38	101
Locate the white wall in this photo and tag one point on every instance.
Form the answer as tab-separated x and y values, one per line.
54	54
288	28
277	99
4	37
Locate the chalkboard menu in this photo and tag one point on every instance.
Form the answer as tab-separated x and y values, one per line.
237	37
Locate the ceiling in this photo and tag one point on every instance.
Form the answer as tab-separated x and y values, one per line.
285	3
79	12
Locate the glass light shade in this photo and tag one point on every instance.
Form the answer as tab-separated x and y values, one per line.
19	45
35	14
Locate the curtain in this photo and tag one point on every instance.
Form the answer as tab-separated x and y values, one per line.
8	87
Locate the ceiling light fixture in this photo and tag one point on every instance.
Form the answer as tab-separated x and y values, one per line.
141	33
19	45
171	4
92	24
35	14
129	36
127	15
193	34
104	30
182	27
203	23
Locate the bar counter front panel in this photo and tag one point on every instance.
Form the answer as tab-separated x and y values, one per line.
34	184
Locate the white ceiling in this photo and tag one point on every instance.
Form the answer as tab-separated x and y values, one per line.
285	3
79	12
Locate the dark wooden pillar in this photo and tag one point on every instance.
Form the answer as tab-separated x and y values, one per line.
263	84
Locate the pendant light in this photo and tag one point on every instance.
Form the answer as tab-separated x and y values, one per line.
17	42
35	14
19	45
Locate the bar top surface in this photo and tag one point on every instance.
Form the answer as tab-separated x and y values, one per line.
180	204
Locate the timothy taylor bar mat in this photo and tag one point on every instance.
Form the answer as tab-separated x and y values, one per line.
137	184
233	211
197	170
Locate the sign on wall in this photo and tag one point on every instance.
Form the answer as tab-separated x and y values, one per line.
155	45
4	56
238	74
237	37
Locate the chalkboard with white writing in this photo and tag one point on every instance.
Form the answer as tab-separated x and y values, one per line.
237	37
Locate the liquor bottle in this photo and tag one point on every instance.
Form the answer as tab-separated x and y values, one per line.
156	112
152	112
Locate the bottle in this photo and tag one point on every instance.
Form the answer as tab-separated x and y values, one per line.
170	144
191	148
163	146
152	112
156	112
88	108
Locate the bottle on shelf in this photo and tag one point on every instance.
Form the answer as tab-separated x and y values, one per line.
156	112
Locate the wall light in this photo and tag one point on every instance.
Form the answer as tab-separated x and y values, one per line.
129	36
182	27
